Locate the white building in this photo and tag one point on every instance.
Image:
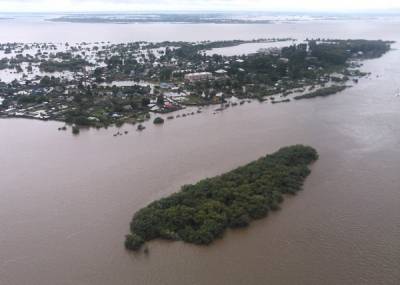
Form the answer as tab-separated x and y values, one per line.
221	72
199	76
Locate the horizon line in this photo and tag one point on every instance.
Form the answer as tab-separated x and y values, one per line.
349	11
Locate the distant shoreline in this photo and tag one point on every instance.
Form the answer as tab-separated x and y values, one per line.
97	20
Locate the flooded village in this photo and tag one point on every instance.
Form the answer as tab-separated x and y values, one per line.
100	84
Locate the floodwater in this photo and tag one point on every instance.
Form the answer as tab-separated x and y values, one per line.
66	201
35	29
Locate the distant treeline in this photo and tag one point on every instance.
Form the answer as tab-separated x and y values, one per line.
200	213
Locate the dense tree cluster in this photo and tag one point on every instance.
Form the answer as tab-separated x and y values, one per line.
200	213
70	64
339	51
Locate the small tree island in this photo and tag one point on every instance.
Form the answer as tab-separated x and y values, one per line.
201	213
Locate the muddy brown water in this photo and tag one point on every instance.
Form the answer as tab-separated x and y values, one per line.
66	201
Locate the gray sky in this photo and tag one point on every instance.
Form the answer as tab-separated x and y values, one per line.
134	5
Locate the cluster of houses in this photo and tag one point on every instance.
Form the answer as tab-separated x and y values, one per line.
61	99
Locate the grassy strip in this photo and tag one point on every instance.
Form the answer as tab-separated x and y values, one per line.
323	92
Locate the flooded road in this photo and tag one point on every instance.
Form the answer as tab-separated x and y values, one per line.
66	201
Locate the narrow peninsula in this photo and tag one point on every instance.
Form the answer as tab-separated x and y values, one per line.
201	213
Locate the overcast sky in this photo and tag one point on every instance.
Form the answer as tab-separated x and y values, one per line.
135	5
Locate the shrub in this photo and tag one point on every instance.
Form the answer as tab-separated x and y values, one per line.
75	130
133	242
158	121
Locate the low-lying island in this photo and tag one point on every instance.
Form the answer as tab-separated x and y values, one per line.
200	213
